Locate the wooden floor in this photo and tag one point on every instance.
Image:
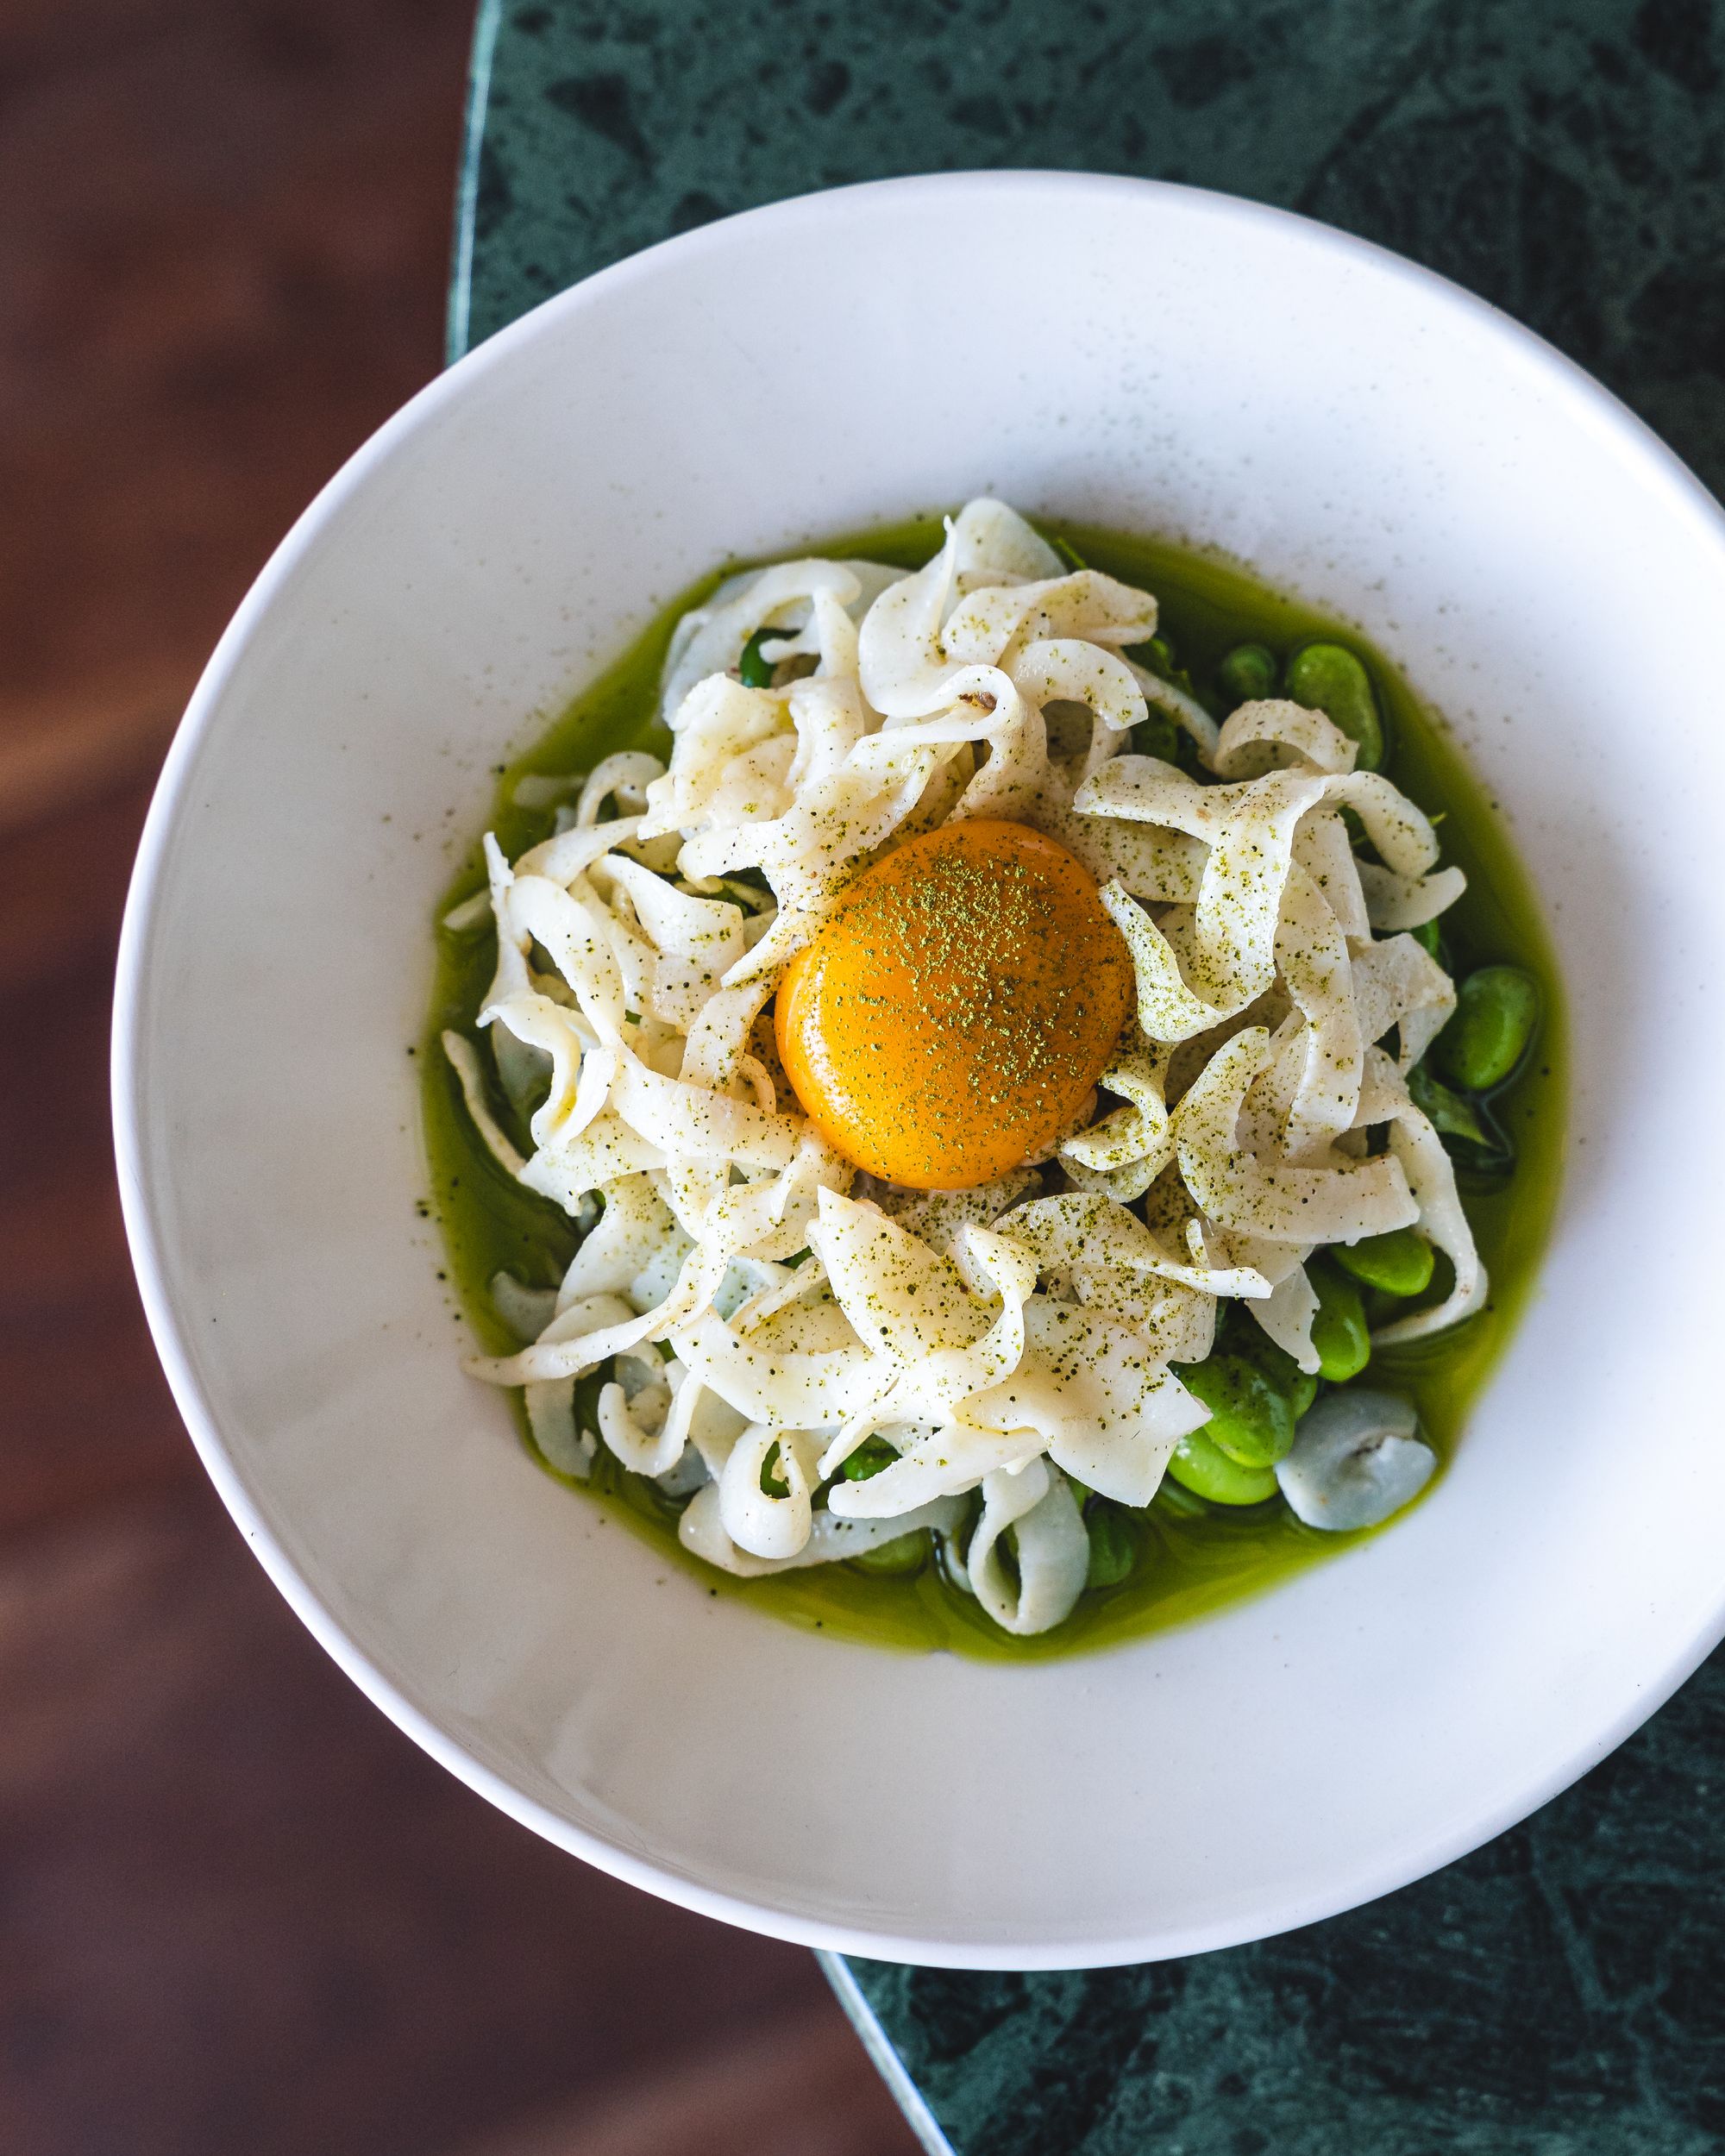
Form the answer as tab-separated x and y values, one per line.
239	1915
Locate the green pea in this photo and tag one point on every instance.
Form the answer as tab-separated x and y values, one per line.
773	1482
897	1559
1248	673
1113	1546
869	1458
1496	1009
1399	1263
1328	678
1207	1471
753	669
1339	1331
1429	939
1251	1419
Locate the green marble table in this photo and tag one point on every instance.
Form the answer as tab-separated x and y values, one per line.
1561	1992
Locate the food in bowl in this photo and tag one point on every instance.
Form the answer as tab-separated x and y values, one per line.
978	1111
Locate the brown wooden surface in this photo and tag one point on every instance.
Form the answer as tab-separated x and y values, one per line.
238	1912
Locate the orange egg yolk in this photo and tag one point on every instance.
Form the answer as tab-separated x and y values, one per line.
954	1012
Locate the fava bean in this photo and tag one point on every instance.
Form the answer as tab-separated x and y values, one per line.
1339	1331
1251	1419
1399	1263
1248	673
1247	1338
1206	1471
1328	678
1113	1546
1496	1009
897	1559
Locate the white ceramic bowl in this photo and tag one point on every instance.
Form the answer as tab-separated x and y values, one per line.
1136	355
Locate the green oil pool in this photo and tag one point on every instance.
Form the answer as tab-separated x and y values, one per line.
1193	1558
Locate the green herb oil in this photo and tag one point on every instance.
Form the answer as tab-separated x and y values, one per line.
1192	1557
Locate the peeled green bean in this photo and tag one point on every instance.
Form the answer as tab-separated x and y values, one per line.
1248	673
1496	1009
1339	1331
1113	1547
1251	1419
1328	678
1206	1471
1400	1263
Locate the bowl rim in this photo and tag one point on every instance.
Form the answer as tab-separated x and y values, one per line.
1605	415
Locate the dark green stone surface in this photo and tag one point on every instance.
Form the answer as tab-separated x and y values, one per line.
1562	1992
1563	160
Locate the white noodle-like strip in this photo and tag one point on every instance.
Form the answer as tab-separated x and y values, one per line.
1431	1178
1052	1550
1396	902
831	1539
1263	736
1249	828
1283	1203
465	1063
998	1339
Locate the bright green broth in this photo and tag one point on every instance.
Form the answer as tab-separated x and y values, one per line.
1193	1558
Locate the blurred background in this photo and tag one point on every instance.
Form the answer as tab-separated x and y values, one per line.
238	1911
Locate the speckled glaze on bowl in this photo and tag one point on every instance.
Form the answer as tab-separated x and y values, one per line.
1367	436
